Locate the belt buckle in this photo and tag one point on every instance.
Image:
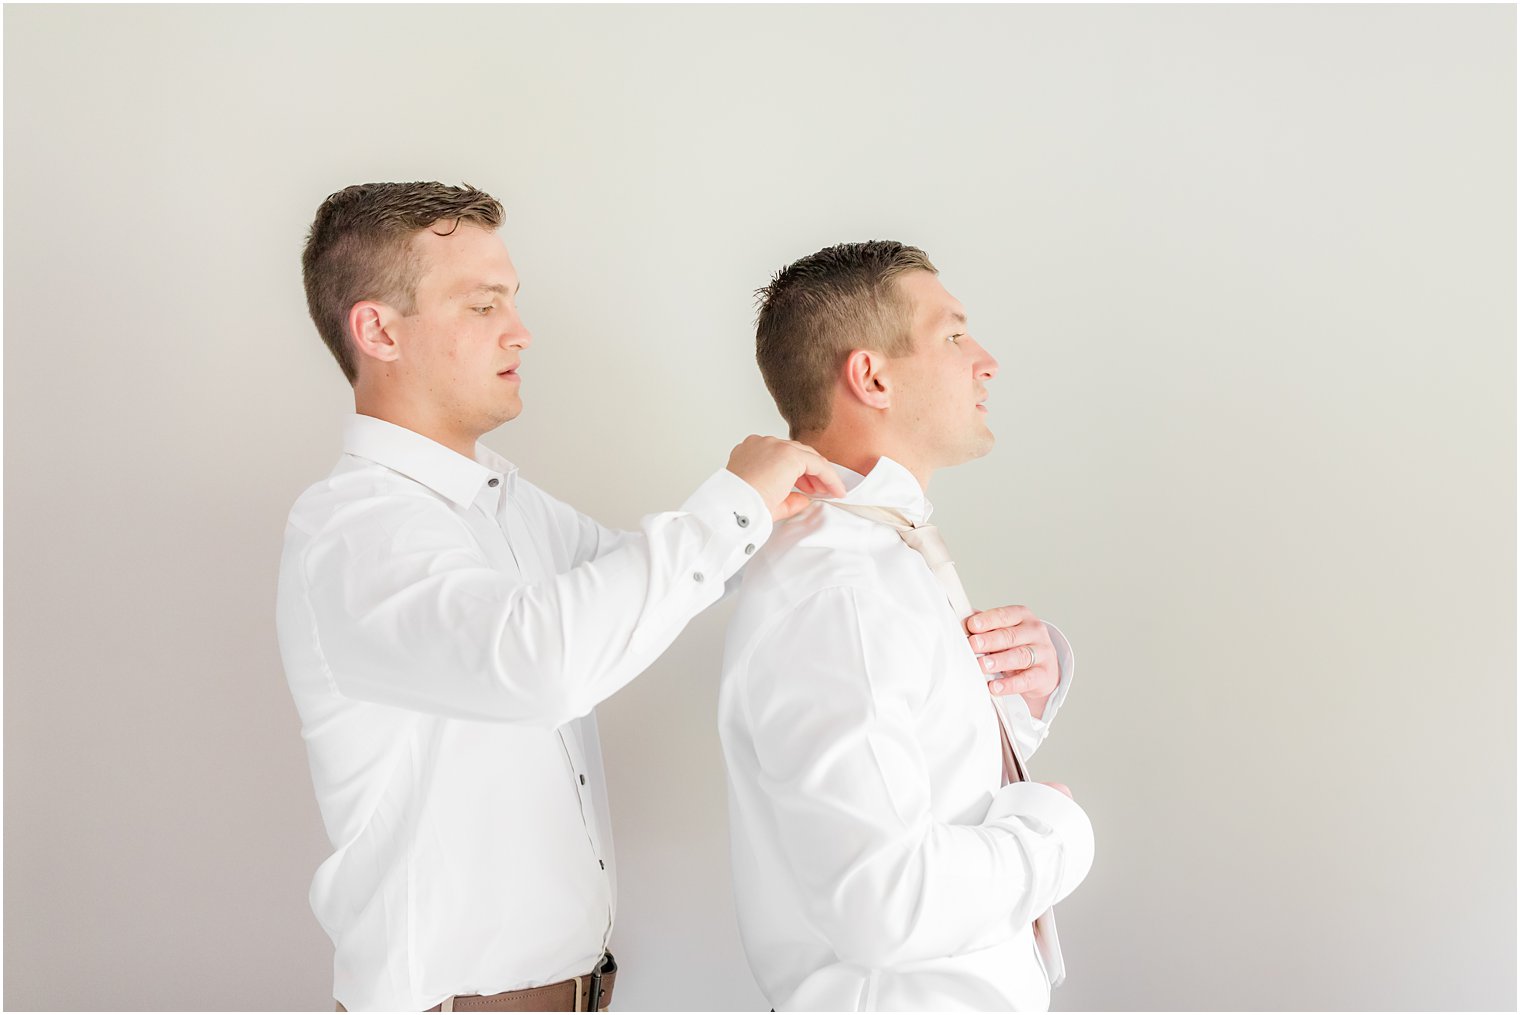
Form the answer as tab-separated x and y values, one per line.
607	965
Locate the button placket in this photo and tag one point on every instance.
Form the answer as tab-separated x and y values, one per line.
577	761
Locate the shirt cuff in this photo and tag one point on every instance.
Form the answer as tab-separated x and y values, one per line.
1066	663
1048	811
1027	731
736	519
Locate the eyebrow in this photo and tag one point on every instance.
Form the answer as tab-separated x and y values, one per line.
490	287
957	317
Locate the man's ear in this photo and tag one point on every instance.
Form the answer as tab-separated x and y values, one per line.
865	378
371	323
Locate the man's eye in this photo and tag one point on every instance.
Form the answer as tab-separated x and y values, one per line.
482	311
956	336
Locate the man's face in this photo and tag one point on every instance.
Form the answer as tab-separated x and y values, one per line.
938	397
464	342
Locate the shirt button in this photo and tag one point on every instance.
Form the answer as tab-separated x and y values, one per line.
493	481
749	549
698	577
583	780
743	521
603	863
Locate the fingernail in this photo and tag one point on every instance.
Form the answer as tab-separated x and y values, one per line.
987	663
997	687
976	642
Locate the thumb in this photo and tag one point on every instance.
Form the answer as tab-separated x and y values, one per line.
794	503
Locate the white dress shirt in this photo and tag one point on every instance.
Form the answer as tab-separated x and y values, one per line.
879	862
447	629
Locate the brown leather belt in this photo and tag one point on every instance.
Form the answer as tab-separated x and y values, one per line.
592	992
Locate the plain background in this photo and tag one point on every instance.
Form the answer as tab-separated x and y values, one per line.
1251	275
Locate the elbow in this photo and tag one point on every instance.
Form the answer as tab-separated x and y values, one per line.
875	916
531	674
874	936
949	891
541	701
561	707
867	950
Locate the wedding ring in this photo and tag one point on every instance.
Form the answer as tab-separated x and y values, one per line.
1034	656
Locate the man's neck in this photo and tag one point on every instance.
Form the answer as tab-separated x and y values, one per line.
416	421
860	455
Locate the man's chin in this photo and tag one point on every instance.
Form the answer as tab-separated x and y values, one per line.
970	452
503	415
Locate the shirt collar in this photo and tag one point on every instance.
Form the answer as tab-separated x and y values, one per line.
423	459
888	485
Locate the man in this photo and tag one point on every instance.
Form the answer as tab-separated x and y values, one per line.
880	863
447	627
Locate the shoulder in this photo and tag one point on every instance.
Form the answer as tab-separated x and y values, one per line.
822	572
360	502
539	505
818	549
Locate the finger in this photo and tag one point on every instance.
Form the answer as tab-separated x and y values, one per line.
1062	787
1005	638
812	485
1009	683
1002	616
817	469
1015	660
1038	682
793	503
993	641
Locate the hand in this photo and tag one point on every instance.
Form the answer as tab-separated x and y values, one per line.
773	466
1008	639
1060	786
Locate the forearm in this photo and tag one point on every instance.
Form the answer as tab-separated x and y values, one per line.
940	889
955	889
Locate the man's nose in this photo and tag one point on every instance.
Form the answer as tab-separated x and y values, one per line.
518	337
987	364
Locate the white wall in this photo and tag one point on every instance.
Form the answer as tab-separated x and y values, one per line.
1251	275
